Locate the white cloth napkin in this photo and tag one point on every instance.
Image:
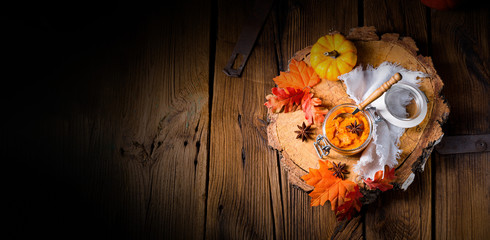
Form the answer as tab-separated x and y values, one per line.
383	150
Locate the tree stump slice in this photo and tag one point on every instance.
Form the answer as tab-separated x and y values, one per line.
417	143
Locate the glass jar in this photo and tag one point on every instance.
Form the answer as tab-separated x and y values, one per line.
325	142
402	105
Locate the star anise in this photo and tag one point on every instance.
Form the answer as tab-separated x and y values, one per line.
339	170
303	132
355	128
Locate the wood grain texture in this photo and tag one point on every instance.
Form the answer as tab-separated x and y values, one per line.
397	214
173	148
402	214
405	17
461	50
244	199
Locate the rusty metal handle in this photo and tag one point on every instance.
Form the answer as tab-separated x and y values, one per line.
247	38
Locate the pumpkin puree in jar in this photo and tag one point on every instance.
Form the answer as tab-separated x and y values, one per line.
340	132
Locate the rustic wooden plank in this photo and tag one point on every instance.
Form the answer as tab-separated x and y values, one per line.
461	202
177	179
407	18
461	50
299	24
244	198
397	214
121	146
400	214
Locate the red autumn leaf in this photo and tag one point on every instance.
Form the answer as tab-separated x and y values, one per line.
352	204
312	108
327	186
300	76
380	182
288	98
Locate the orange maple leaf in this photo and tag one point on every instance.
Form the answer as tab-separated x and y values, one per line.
382	182
327	186
312	108
300	76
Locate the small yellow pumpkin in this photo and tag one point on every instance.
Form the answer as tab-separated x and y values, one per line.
333	55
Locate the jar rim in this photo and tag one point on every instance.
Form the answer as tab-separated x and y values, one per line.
368	116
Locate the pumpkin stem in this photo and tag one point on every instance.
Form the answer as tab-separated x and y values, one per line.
333	54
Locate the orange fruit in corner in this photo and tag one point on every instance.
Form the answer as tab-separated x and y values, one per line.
333	55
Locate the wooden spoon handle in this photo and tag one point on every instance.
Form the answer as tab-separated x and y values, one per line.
378	92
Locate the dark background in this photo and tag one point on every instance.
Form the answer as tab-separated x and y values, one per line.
51	48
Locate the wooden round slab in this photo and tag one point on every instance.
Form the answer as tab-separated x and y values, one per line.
417	143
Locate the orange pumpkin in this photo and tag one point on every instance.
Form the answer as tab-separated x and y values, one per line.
333	55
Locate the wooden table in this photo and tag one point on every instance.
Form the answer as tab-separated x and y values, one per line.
122	124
